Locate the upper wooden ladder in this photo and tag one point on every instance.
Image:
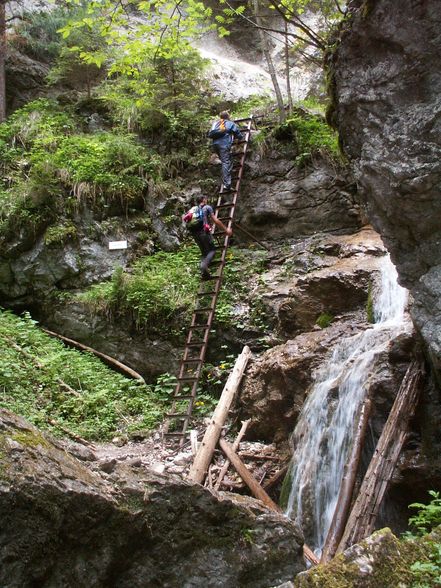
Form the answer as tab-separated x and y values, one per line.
190	370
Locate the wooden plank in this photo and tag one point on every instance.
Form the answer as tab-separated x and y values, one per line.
361	521
236	443
206	449
247	477
343	505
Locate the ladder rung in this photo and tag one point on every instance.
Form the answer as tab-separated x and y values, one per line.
175	434
177	415
183	396
187	379
196	344
225	205
191	360
199	327
203	309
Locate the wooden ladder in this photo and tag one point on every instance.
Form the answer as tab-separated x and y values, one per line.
190	370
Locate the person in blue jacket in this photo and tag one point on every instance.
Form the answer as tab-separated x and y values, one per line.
223	132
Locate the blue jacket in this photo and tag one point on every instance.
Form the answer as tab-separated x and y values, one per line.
233	131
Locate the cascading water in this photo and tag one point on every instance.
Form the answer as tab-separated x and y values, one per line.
323	435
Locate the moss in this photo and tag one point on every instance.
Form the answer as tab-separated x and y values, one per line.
390	563
370	306
30	439
286	489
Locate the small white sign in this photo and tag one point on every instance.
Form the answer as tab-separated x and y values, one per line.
117	245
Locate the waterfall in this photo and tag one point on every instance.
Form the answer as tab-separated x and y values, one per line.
322	437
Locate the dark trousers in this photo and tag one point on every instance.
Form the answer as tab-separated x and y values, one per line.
224	154
208	248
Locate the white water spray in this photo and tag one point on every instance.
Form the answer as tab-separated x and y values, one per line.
323	435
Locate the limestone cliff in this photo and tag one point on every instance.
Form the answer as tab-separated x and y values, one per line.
387	104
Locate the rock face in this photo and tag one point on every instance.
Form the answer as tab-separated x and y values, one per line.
64	525
282	201
387	92
380	560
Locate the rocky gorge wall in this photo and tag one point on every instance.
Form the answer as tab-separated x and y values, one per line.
387	104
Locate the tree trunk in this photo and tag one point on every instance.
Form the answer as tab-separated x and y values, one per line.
2	60
247	477
288	81
269	61
235	447
347	485
365	510
206	449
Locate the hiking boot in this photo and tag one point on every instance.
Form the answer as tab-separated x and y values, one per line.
205	275
227	188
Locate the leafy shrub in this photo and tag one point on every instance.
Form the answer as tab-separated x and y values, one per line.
426	573
164	98
324	320
58	388
161	287
312	135
428	515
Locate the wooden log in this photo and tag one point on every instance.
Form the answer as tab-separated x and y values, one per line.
361	521
347	485
206	449
310	555
247	477
276	477
258	456
110	361
236	443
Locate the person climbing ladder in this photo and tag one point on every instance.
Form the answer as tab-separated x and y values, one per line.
199	221
223	132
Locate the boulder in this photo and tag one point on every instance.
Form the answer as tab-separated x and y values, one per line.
380	560
64	524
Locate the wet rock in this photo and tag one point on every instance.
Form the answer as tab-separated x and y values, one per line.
379	560
131	528
275	385
387	93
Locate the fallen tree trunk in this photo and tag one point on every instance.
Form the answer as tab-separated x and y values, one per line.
365	510
247	477
206	449
347	485
110	361
236	443
276	477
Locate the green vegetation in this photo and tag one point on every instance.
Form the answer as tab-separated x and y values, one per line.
163	286
324	320
427	573
48	165
61	389
312	135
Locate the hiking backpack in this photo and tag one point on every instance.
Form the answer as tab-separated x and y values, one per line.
218	129
194	218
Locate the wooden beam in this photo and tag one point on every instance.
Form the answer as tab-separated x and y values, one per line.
277	476
247	477
343	505
361	521
205	452
236	443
